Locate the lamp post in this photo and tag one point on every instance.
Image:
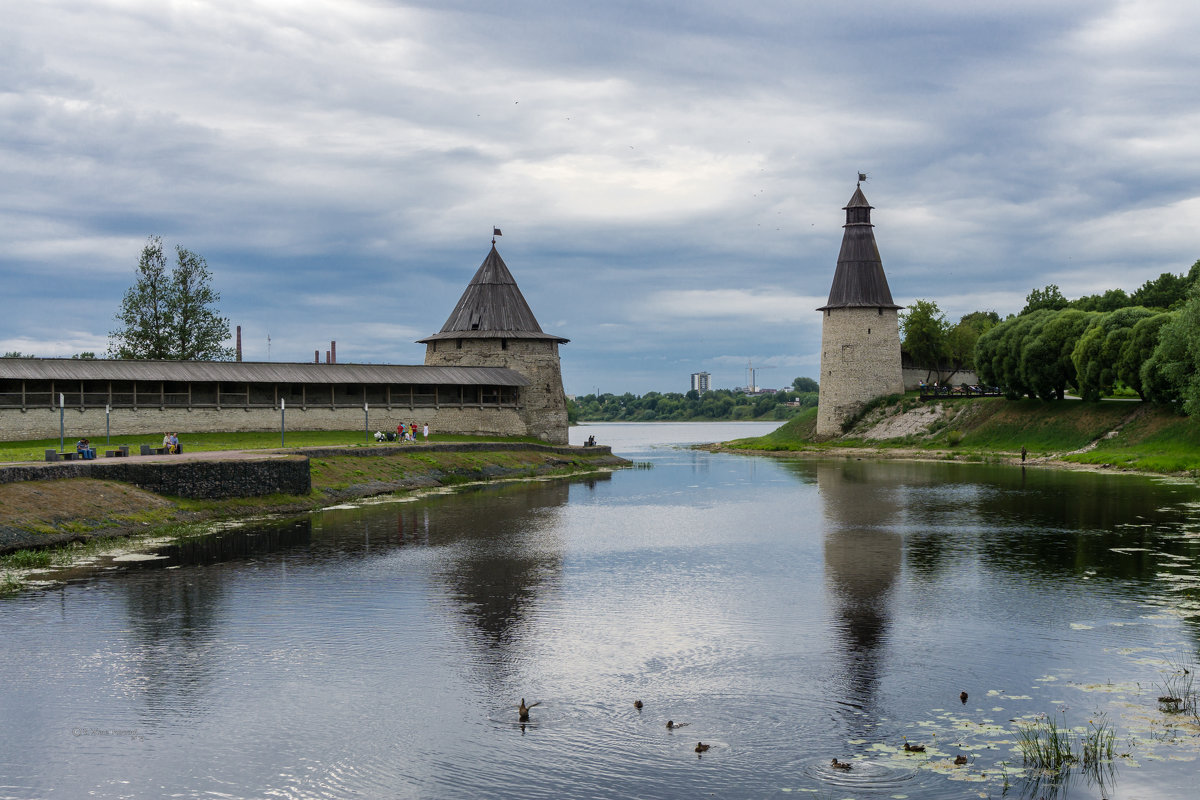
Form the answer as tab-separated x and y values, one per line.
366	422
62	402
107	411
282	414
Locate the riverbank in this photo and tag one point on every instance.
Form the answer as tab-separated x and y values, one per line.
1070	434
40	514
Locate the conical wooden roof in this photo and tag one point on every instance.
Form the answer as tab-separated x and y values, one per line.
859	281
492	307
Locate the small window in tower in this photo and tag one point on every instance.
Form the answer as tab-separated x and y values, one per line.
504	344
881	312
868	331
474	326
458	344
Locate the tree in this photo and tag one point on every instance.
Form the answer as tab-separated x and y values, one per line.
1046	364
170	316
1138	349
17	354
1048	298
805	385
961	339
923	335
1098	351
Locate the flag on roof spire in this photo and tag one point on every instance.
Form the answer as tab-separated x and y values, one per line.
495	233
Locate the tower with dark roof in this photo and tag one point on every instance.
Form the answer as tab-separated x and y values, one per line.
860	330
493	326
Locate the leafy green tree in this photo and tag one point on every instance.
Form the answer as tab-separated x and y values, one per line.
1138	349
1166	375
805	385
1098	351
1046	364
17	354
170	315
923	335
1165	291
961	339
1111	300
1050	298
998	353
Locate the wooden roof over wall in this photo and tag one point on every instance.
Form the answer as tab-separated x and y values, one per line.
492	307
103	369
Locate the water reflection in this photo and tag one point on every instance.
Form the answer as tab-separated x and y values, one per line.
862	558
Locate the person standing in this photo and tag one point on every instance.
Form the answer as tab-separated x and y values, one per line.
425	432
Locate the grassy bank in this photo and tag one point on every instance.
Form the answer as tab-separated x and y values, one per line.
37	516
35	449
1127	435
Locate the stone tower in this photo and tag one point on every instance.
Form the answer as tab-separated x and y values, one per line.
860	332
493	326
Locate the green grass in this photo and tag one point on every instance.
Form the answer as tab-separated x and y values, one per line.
1150	438
34	450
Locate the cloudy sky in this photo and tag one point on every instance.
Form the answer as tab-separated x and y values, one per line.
669	176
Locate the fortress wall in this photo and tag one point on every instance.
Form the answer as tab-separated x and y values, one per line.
43	423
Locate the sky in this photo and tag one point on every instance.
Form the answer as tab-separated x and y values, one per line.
669	177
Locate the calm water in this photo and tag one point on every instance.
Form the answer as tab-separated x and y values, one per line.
788	612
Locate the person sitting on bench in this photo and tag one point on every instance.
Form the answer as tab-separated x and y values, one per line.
84	448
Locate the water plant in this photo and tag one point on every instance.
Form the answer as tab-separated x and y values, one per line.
1178	688
1045	745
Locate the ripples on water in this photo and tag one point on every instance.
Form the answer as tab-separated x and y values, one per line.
787	612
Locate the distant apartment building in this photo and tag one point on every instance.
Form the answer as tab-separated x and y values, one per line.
700	381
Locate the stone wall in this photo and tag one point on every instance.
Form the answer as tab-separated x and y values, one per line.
200	479
543	406
43	423
950	377
860	360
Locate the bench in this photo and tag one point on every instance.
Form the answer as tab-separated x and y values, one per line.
147	450
70	455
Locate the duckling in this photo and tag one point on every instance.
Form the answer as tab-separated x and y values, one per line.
637	704
840	764
701	747
913	748
672	725
523	710
963	697
960	760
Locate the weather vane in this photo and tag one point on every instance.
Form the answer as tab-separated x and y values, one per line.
862	177
495	233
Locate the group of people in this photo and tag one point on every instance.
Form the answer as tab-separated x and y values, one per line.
85	449
171	443
404	433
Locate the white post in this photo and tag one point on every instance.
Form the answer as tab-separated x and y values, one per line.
61	411
282	414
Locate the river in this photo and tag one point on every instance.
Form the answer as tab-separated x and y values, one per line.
786	612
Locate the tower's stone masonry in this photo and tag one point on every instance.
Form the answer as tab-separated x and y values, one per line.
860	359
542	404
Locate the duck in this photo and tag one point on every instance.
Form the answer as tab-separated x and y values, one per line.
960	760
840	764
702	747
913	748
523	710
637	704
963	697
672	724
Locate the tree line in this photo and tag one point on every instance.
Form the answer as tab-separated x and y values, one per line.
1145	342
693	405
